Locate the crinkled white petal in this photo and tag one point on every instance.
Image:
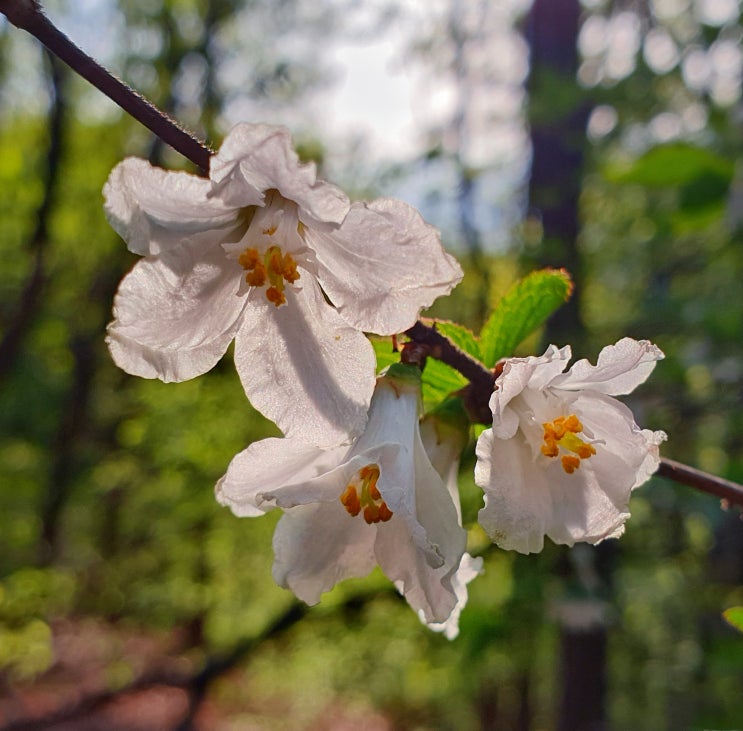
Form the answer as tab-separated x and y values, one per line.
620	368
303	367
273	465
652	459
527	497
383	265
422	546
518	502
534	373
154	210
469	568
175	315
255	158
317	545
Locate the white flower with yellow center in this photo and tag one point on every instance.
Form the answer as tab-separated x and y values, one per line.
563	456
348	509
264	253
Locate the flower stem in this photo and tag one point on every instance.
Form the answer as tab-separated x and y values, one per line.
27	14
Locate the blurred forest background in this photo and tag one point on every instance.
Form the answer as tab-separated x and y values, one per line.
604	137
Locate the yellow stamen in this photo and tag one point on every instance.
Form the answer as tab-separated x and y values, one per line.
273	268
257	277
275	296
249	258
561	434
375	509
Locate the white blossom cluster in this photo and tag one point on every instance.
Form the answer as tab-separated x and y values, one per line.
263	253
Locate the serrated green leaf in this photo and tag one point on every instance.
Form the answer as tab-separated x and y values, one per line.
461	336
734	616
384	352
526	305
439	380
674	165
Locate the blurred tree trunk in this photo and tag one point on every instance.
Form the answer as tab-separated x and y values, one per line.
558	116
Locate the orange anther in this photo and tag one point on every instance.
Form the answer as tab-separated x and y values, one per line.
276	296
384	512
570	463
572	423
249	258
550	449
584	451
371	514
350	500
256	277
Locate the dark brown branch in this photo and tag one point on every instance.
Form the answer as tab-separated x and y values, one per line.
28	16
444	350
727	490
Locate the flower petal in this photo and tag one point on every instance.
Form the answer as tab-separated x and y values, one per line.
255	158
527	497
534	373
175	315
383	265
422	546
154	210
318	545
270	466
619	370
469	568
518	501
304	368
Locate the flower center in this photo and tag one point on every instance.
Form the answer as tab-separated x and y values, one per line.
362	493
561	435
274	268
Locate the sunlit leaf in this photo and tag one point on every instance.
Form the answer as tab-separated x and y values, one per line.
385	353
522	310
439	380
461	336
734	616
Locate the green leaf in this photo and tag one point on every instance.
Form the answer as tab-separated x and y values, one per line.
734	616
439	380
675	165
526	305
384	352
461	336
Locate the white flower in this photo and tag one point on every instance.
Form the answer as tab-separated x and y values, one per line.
445	433
253	254
563	456
347	509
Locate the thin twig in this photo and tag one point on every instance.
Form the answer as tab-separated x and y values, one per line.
29	16
727	490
